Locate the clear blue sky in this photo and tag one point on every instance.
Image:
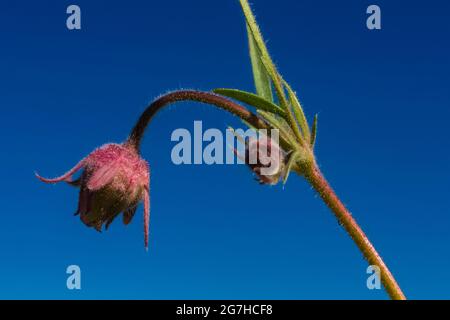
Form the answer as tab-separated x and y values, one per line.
383	100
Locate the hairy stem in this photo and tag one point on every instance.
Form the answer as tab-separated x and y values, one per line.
310	171
137	133
317	180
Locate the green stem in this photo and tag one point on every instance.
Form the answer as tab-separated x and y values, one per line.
320	184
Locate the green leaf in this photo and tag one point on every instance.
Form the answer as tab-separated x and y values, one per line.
258	41
251	99
271	70
281	125
292	159
278	84
238	137
254	29
314	131
262	81
248	124
298	111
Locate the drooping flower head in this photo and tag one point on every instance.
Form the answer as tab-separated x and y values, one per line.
114	180
265	158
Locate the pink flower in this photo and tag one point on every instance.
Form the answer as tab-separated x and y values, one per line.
115	179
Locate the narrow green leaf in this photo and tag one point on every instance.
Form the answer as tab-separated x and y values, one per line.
292	159
280	124
314	131
248	124
238	137
254	29
258	40
251	99
260	76
278	84
298	111
271	70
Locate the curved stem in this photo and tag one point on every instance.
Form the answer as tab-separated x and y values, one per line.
311	173
320	184
137	133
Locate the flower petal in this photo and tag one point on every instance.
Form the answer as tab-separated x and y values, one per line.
146	215
128	215
75	183
102	176
110	219
67	177
83	201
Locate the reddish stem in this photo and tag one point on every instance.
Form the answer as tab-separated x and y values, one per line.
137	133
320	184
311	173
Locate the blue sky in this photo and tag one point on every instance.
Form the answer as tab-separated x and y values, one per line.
383	101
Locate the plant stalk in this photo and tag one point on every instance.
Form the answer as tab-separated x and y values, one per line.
311	173
320	184
137	132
